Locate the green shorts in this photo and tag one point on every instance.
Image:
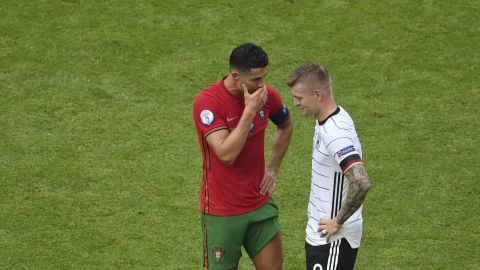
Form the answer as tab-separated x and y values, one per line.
224	236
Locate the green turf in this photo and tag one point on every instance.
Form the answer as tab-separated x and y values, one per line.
99	161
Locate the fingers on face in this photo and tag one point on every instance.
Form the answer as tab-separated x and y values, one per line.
244	87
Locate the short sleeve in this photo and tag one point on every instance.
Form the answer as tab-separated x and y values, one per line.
340	145
207	115
279	112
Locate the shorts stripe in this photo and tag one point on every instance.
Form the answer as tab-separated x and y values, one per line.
333	255
205	246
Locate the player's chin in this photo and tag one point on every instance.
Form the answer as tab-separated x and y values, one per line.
305	112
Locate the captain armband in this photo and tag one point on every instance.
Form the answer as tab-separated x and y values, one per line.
281	116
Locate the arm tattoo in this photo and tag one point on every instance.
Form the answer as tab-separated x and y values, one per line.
358	188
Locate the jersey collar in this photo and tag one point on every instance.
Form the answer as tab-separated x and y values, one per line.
332	114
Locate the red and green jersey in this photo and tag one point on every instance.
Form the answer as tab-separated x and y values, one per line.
233	189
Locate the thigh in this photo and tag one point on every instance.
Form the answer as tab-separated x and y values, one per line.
336	255
222	240
317	256
347	256
263	227
271	255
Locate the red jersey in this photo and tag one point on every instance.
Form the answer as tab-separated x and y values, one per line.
235	189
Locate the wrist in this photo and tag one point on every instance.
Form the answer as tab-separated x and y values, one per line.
273	168
339	223
247	112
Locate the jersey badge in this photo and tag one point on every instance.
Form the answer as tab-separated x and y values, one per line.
218	254
345	151
317	140
261	114
207	117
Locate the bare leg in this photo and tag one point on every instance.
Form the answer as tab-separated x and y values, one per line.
271	256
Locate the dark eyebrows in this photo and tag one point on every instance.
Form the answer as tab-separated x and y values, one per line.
258	78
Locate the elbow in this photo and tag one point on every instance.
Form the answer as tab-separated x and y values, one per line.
227	160
366	185
225	156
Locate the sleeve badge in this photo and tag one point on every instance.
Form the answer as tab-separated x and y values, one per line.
207	117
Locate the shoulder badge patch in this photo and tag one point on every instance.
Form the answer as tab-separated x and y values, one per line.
218	254
207	117
346	150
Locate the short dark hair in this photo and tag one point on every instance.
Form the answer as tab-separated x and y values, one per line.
311	73
247	56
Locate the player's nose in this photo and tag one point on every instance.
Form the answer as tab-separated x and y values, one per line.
296	102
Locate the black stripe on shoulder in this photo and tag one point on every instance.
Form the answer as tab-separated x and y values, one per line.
348	160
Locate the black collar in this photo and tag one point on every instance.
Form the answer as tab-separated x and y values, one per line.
332	114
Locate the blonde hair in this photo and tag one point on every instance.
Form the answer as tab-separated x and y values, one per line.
314	74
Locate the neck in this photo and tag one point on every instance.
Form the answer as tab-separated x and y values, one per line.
327	109
231	86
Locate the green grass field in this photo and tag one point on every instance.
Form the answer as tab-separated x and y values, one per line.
100	166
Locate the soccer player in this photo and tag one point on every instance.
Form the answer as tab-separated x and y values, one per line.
339	180
236	209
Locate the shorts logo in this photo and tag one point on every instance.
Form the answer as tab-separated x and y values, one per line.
207	117
345	151
218	254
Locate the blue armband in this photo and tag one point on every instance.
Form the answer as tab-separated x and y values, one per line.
281	116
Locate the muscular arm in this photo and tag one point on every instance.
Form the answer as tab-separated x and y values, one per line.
227	145
359	186
281	141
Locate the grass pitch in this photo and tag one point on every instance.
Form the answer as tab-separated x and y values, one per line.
99	161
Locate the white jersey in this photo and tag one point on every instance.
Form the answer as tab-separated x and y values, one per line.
336	148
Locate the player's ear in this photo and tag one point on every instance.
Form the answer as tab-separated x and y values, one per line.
235	75
318	94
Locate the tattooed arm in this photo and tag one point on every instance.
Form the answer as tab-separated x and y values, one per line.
358	188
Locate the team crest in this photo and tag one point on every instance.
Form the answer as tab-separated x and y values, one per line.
261	113
218	254
317	141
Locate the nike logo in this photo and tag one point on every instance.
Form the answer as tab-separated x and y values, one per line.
231	118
